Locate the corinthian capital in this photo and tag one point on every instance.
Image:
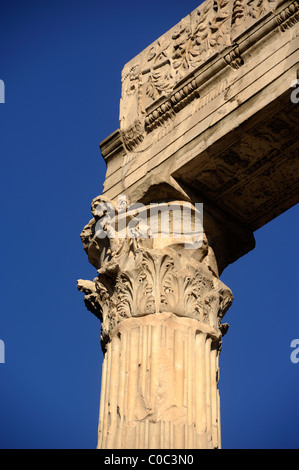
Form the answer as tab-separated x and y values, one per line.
150	273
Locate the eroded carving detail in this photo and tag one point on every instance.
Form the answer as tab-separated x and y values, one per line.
234	59
250	10
289	16
159	116
134	135
196	37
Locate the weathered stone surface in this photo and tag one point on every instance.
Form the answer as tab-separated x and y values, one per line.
205	117
212	103
160	385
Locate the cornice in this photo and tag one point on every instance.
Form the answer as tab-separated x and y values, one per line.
160	97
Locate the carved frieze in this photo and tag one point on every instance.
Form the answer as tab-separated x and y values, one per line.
156	73
198	36
165	77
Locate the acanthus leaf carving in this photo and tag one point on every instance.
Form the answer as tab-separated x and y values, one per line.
137	278
160	283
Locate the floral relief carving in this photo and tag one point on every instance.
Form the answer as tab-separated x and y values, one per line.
166	77
134	291
251	9
160	80
195	38
155	282
203	33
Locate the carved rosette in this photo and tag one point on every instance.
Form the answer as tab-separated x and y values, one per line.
138	277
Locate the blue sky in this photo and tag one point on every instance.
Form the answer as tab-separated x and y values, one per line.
61	62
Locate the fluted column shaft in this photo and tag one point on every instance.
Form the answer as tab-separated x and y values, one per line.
160	385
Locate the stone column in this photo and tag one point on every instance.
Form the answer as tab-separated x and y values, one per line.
206	115
161	305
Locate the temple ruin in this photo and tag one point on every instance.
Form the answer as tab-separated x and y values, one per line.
206	116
